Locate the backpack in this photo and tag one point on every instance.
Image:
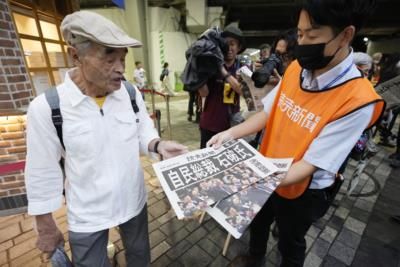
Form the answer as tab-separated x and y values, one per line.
54	102
162	77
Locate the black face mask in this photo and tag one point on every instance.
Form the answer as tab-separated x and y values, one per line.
311	57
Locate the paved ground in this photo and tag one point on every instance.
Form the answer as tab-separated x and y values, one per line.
356	231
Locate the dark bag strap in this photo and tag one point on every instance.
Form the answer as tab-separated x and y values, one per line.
54	102
132	94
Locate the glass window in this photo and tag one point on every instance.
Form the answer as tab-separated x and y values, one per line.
59	75
34	53
56	57
25	24
69	59
49	30
41	81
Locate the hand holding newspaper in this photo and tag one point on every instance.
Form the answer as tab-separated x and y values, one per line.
196	180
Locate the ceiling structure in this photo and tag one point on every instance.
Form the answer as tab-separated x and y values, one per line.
261	20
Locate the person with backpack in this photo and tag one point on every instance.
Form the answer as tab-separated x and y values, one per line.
314	115
98	124
165	81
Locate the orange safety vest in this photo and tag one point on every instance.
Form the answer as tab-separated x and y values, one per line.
298	116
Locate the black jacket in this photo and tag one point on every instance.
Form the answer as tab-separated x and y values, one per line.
204	59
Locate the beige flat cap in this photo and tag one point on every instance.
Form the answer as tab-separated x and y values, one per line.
81	26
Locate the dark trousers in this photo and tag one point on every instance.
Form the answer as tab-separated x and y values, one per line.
90	249
293	218
193	104
205	136
386	131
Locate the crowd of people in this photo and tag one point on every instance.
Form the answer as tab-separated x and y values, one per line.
317	109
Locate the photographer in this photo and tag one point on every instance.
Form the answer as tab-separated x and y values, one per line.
269	71
221	92
282	53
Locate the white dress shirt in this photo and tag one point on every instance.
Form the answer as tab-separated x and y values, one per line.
105	183
139	77
330	148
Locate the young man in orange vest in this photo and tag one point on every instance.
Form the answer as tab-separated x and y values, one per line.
314	115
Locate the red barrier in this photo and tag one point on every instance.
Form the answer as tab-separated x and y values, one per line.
152	92
12	167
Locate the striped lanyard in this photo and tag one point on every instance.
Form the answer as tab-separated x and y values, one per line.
340	76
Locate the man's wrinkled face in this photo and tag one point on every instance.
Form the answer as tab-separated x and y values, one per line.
234	48
104	67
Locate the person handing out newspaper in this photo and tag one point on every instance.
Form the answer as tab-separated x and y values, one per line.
314	115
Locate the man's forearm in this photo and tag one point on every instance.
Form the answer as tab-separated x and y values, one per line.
298	172
235	84
49	236
250	126
45	219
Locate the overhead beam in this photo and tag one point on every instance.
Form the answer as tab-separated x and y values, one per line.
267	33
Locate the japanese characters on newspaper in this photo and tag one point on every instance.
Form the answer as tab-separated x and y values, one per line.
252	94
198	179
236	212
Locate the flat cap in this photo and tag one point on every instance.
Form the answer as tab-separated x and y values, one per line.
82	26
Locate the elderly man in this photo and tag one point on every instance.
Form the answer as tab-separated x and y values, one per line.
102	135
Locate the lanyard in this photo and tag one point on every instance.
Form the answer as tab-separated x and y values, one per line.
338	77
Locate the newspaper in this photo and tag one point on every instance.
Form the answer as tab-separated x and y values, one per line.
252	94
236	212
390	91
198	179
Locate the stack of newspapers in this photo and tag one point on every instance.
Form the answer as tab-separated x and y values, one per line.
230	183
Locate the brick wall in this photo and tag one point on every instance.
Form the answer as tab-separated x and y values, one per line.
15	95
15	87
12	149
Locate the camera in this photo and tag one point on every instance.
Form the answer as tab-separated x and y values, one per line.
261	76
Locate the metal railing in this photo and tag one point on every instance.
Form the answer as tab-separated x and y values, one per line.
156	113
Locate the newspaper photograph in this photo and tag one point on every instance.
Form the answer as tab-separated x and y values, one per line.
196	180
252	94
236	212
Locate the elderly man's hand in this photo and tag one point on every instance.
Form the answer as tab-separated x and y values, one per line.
49	236
170	149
